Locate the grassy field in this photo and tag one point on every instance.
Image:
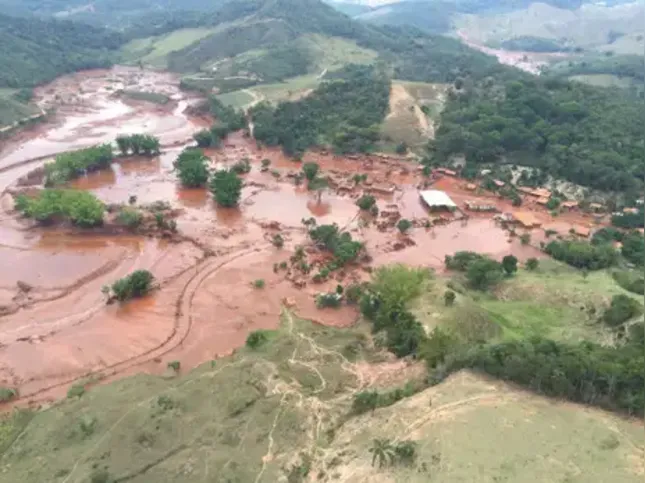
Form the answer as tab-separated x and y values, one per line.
414	109
472	429
332	53
153	50
554	301
236	99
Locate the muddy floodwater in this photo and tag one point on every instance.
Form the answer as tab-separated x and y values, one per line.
55	327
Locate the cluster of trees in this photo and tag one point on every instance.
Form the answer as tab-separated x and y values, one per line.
227	120
632	281
582	254
621	309
138	144
135	285
340	243
36	50
481	271
70	165
586	135
344	113
633	243
620	65
629	220
50	205
366	401
384	304
609	377
527	43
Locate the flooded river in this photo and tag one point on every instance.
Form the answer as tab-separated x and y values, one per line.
55	328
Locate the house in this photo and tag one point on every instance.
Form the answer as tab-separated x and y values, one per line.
595	207
526	219
580	230
569	205
630	211
499	183
471	187
446	171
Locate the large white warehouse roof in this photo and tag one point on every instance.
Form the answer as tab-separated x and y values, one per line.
434	198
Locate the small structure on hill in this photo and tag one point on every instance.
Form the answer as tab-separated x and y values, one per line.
474	206
437	200
580	230
569	205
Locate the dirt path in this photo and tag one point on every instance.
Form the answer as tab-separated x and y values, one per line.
402	101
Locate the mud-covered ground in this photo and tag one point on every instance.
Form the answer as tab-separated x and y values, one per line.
55	327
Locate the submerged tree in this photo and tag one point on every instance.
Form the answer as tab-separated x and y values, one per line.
226	187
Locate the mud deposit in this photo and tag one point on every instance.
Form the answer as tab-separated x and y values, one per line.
55	327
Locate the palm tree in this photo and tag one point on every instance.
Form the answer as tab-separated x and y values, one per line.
382	451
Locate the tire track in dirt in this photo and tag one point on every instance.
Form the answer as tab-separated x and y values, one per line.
179	333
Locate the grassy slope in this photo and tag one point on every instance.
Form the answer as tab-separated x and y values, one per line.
405	121
153	50
11	110
587	27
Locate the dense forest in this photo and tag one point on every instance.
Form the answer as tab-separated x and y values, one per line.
586	135
345	113
36	50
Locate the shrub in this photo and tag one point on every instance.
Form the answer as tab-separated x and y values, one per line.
265	164
226	187
331	299
630	281
621	309
353	293
7	394
532	264
509	264
553	203
277	240
241	167
404	225
137	284
525	239
256	338
405	452
130	217
401	148
259	283
174	365
204	138
366	202
76	390
460	260
80	207
449	298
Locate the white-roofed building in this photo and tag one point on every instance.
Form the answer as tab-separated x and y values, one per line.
437	200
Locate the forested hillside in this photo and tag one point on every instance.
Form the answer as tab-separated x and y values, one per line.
36	50
586	135
345	112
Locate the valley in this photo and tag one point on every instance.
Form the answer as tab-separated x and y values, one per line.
262	241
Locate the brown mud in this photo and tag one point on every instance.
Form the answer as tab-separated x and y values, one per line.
57	329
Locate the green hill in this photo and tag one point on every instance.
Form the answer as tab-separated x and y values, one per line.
37	50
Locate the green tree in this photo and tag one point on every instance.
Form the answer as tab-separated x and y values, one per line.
204	138
226	187
621	309
123	143
484	273
310	171
509	264
193	172
449	298
404	225
366	202
382	451
137	284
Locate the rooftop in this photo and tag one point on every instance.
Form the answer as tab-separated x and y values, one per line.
436	198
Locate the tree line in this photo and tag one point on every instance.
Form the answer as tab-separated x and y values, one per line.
51	205
345	113
583	134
